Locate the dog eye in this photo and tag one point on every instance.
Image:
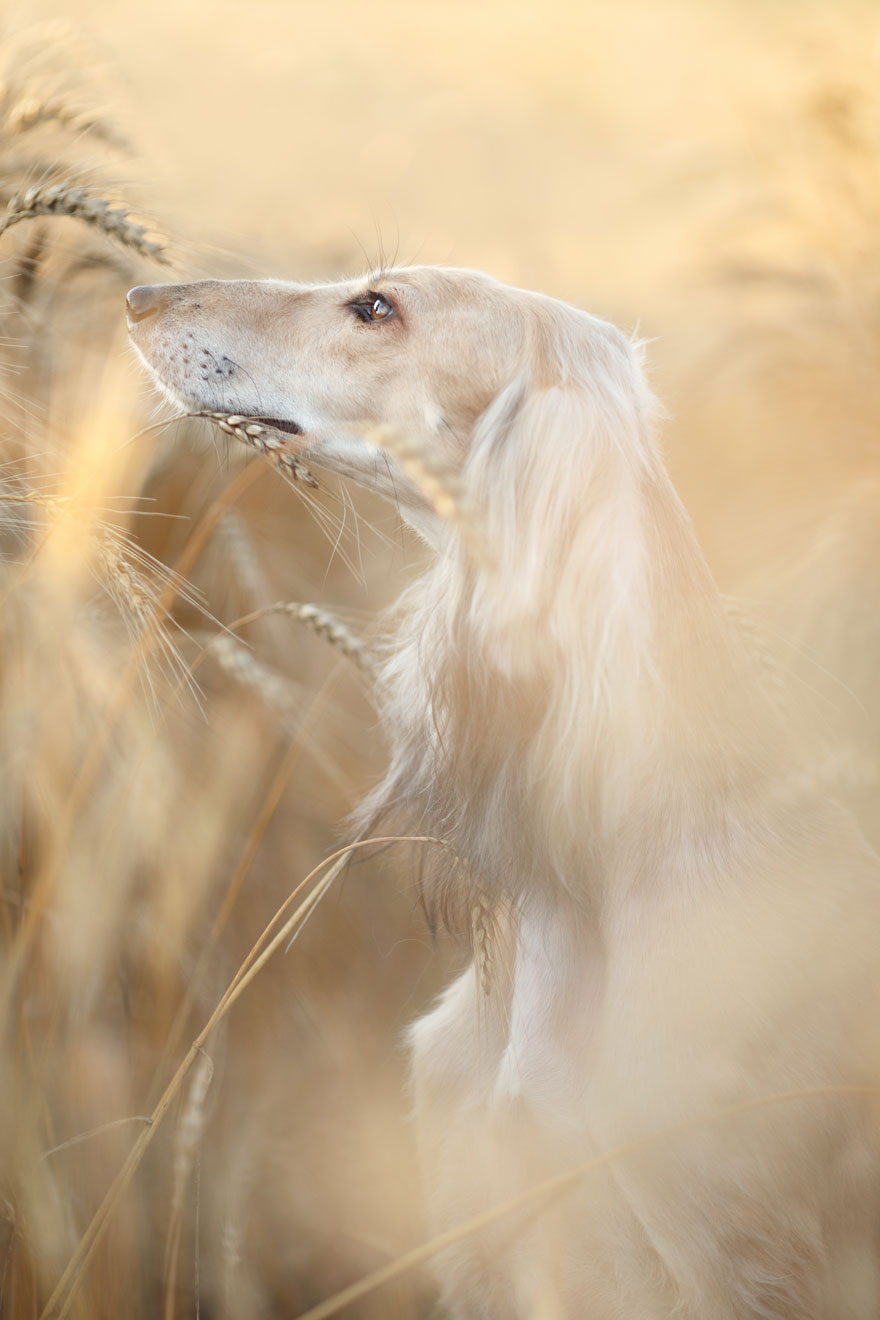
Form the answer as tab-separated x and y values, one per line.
380	308
374	307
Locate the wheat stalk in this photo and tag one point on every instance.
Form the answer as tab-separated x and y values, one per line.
265	439
64	199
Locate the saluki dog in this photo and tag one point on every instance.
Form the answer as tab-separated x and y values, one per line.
674	930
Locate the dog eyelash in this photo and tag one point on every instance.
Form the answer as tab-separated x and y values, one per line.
373	307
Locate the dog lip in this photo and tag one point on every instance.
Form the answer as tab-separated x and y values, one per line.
278	424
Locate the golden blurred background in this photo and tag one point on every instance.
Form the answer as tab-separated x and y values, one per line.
707	175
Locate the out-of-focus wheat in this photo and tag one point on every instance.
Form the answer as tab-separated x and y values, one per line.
146	827
196	818
27	109
73	200
438	484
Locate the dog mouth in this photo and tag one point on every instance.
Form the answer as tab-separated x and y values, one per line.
277	424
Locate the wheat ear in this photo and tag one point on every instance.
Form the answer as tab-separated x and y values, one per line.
33	110
437	483
435	480
189	1136
321	622
133	591
240	663
483	937
265	439
62	199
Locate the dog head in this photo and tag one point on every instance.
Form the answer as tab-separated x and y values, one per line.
438	356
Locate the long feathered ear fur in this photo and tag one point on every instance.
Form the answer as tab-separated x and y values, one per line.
556	473
532	690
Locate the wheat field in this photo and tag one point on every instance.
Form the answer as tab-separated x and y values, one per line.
203	1113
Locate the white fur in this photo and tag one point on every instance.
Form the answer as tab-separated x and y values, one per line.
676	919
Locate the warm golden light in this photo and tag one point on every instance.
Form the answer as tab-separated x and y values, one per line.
195	604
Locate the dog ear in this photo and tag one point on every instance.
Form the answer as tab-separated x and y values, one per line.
557	474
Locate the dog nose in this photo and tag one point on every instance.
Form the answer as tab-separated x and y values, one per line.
143	301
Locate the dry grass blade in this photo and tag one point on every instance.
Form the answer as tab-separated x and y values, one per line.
265	439
59	199
98	1131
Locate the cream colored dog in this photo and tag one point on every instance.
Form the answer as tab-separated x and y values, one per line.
676	935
